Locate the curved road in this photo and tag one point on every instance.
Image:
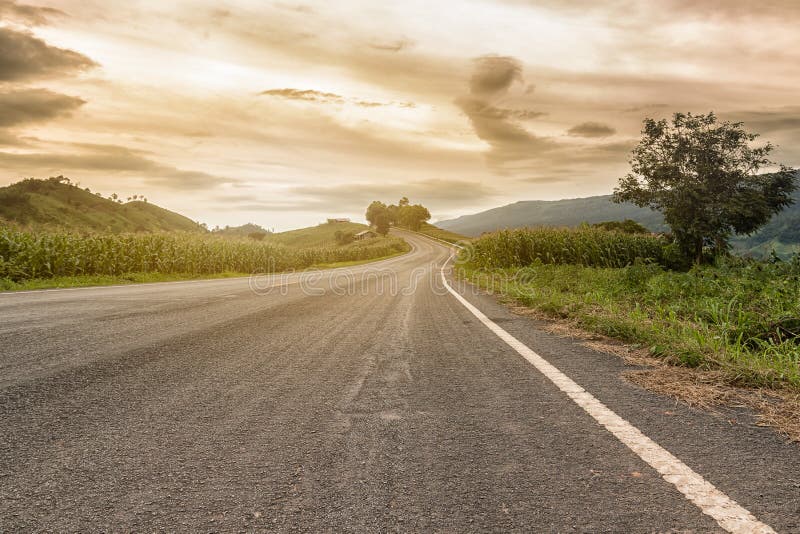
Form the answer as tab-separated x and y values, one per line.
360	399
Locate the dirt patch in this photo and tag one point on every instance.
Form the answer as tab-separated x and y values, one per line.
704	389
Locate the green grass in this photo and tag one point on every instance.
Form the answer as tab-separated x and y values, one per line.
736	317
47	204
106	280
321	235
440	233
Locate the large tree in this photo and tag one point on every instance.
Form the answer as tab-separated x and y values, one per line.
703	175
378	216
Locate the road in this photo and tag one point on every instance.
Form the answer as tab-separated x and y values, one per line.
361	399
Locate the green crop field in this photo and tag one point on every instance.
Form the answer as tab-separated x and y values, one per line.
28	255
741	317
440	233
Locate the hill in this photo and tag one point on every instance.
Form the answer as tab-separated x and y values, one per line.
58	204
241	231
321	235
781	234
568	212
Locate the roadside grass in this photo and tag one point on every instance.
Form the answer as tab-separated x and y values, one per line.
740	318
439	233
106	280
144	278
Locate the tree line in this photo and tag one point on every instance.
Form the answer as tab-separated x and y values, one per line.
404	214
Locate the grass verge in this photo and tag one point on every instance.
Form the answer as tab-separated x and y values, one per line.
738	322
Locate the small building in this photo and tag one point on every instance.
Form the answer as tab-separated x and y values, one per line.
338	220
364	234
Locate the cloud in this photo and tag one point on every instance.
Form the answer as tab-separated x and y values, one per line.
84	157
310	95
591	129
438	192
494	74
771	121
24	56
25	106
510	144
27	14
391	46
307	95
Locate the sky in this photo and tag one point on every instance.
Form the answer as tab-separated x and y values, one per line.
285	113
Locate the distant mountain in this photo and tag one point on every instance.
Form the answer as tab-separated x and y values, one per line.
56	204
781	234
568	212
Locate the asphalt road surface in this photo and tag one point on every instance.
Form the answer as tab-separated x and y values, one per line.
368	399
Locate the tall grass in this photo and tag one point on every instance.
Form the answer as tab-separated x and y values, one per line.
26	255
589	247
739	316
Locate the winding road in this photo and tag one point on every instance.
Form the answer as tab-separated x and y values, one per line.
383	397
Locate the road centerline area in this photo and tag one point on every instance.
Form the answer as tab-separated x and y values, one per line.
725	511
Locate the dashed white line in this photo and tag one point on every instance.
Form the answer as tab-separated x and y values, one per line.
711	501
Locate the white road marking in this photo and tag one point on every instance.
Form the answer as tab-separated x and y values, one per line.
727	512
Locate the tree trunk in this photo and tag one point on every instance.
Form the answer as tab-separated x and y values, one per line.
698	251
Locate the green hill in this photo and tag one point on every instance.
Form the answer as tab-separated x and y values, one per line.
244	230
55	204
568	212
315	236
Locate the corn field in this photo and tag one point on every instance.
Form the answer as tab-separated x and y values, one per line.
589	247
26	255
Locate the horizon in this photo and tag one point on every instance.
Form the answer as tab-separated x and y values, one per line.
284	114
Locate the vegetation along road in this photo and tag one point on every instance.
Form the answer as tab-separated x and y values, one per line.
380	397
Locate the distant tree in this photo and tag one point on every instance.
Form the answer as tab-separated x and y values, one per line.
628	226
702	174
374	210
412	217
114	197
403	202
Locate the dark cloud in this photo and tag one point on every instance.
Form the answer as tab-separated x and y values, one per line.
769	121
27	14
34	105
510	144
494	74
310	95
438	192
109	158
391	46
645	107
24	56
591	129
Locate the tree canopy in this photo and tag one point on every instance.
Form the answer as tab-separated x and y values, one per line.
703	175
403	214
